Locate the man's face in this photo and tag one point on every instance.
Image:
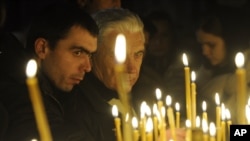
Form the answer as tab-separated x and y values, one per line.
67	64
104	61
213	47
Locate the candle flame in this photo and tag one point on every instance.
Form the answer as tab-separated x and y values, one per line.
31	68
198	121
158	93
163	111
248	102
115	111
204	106
193	76
147	110
204	126
239	60
143	111
177	106
217	99
227	113
188	123
223	112
212	130
247	113
149	125
168	100
120	48
134	122
127	117
155	109
184	59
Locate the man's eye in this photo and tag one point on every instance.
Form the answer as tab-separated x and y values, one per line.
78	53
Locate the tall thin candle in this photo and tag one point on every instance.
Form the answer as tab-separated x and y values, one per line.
171	117
37	103
193	99
177	108
241	88
187	86
117	121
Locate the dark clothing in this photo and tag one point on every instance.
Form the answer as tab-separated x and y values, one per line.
16	101
92	109
22	124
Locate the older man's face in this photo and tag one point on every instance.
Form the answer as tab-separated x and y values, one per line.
104	60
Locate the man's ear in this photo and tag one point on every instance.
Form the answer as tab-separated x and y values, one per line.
41	47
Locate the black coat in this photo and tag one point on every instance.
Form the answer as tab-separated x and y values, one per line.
91	108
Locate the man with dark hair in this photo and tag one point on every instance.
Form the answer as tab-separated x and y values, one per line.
62	39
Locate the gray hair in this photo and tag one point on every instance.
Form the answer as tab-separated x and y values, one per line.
117	19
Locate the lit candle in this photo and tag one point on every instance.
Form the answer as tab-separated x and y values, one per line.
163	125
117	123
218	116
149	129
248	114
135	127
170	115
223	124
228	118
248	111
212	131
177	108
120	56
198	122
37	103
187	85
204	109
241	88
188	130
143	121
193	99
156	113
205	129
158	97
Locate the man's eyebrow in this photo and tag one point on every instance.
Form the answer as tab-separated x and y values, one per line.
82	49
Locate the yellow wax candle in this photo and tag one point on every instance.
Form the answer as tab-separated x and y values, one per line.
187	86
158	97
223	124
177	107
117	121
188	131
205	129
248	113
241	88
218	116
212	131
228	119
204	109
163	125
37	103
155	121
149	129
143	121
193	99
135	131
170	115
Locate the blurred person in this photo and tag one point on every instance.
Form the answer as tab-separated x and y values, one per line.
61	39
98	92
161	67
218	39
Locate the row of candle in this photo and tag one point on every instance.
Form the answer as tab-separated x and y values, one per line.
155	125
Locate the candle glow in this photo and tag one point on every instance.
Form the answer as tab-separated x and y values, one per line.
120	48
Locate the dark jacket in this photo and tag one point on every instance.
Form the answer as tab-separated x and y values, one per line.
91	108
22	123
